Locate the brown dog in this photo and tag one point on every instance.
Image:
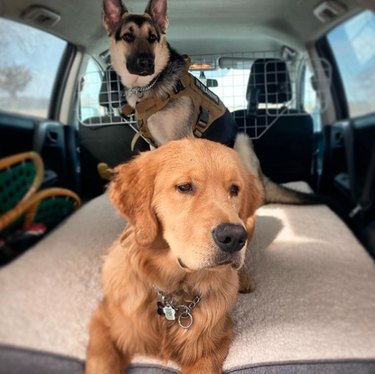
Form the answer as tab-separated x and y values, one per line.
191	209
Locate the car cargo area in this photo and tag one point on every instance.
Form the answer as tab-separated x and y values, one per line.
297	77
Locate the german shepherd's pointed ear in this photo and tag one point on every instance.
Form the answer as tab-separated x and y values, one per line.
131	191
113	10
157	9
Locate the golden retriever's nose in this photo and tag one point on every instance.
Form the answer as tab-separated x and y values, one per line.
229	237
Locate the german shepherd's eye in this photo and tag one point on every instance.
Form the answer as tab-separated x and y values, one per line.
152	38
185	188
234	190
128	37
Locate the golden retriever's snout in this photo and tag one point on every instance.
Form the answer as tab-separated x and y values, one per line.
229	237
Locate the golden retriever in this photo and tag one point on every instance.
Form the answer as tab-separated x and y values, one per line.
171	279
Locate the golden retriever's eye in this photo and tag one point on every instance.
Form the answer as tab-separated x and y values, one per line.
185	188
234	190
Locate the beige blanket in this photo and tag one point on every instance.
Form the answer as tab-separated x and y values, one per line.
315	296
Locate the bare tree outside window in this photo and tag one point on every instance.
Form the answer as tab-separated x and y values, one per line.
14	79
28	66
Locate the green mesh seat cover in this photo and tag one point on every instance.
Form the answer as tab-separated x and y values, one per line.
15	181
53	210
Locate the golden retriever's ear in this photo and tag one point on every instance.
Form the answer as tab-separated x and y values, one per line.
251	201
131	191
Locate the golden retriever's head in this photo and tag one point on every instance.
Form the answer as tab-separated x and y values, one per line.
196	194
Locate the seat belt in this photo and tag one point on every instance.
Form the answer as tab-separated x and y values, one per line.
366	199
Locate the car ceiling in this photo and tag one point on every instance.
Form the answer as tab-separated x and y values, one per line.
198	26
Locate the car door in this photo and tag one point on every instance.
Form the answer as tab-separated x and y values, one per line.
351	140
33	64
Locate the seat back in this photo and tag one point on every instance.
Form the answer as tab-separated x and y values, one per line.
283	138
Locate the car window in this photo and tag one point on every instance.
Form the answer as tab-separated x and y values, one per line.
230	85
90	84
353	47
311	101
230	77
29	62
225	75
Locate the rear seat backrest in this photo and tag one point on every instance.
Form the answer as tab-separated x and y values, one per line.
269	83
286	149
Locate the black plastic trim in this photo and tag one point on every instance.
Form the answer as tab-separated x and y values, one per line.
60	81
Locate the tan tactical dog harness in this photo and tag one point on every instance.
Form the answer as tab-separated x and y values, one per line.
207	106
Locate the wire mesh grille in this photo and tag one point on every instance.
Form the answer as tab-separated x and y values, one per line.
258	88
101	99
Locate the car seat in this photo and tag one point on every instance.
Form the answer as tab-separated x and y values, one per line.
26	213
283	138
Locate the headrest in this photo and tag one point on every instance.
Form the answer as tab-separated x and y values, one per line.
111	91
269	82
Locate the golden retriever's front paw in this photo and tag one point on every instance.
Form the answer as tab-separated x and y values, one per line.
247	283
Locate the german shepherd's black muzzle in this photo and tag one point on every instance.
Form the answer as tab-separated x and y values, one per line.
141	64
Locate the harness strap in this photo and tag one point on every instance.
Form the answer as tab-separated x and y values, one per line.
145	109
207	107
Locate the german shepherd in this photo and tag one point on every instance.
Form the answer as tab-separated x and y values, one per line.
165	96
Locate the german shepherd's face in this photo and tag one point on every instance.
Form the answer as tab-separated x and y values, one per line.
138	45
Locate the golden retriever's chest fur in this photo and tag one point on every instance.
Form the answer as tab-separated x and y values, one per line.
151	334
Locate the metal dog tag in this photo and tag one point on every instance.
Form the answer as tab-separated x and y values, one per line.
169	312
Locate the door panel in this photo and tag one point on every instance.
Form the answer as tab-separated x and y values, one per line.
16	134
20	134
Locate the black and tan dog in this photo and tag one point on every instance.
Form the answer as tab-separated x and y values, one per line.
169	102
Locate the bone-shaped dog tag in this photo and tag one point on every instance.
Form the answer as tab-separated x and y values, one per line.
169	312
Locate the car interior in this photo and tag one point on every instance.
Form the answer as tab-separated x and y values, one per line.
298	78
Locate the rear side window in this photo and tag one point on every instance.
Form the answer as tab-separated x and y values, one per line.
311	99
90	85
353	46
29	62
